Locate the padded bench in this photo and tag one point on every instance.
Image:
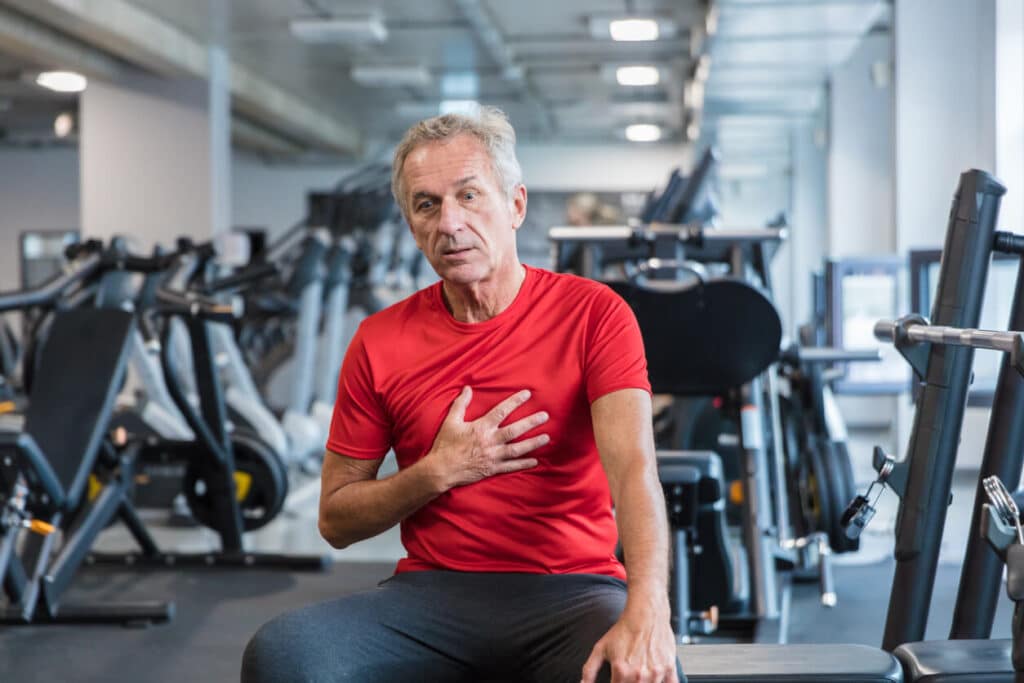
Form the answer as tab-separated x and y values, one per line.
807	663
957	661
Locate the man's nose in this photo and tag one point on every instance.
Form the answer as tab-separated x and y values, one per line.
451	218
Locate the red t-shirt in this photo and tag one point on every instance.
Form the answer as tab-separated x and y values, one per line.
566	339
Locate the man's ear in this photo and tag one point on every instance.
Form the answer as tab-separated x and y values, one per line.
518	206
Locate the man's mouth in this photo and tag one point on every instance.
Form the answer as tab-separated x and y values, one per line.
456	250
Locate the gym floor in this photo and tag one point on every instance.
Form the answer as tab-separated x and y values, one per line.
218	610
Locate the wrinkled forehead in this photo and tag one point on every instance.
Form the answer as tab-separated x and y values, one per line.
440	164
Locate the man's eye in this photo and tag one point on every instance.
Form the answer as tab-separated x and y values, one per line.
426	204
471	194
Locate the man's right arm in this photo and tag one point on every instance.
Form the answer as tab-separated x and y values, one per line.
355	505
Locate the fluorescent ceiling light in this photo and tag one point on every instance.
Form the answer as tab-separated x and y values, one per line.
62	81
64	124
643	132
703	69
391	76
465	107
633	29
354	30
693	94
637	75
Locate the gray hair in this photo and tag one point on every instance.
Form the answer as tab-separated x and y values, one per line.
490	126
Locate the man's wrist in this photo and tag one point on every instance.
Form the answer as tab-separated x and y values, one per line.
647	597
433	475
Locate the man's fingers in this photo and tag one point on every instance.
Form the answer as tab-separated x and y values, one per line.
520	427
521	448
509	466
498	413
592	666
459	405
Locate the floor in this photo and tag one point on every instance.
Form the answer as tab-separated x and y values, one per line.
217	611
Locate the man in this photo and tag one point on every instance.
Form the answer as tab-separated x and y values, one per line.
517	403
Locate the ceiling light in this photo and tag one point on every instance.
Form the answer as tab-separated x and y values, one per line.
633	29
693	94
64	124
62	81
354	30
391	76
637	75
711	21
692	131
703	68
464	107
643	132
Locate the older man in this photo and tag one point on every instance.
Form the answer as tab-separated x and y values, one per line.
517	403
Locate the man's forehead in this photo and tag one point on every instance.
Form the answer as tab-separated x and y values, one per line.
448	162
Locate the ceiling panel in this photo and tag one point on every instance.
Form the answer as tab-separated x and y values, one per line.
819	18
769	57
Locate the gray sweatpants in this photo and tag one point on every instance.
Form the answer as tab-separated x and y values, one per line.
443	626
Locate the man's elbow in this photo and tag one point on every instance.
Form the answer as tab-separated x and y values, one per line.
332	534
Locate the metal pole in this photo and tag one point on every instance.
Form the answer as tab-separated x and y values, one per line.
931	453
1003	457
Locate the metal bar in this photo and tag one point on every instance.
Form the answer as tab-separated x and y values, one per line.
1007	342
757	512
938	418
827	354
1003	457
687	232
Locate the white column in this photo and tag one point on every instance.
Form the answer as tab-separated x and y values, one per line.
155	157
959	104
1009	125
945	109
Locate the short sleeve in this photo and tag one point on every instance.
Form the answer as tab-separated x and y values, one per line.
360	427
614	350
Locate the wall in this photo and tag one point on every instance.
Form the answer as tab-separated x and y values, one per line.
39	192
578	168
860	209
146	167
273	196
945	109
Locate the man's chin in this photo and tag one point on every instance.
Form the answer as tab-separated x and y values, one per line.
461	274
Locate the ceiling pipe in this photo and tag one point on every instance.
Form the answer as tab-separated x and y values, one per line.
486	30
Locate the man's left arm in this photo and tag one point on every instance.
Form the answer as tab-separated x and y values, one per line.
640	646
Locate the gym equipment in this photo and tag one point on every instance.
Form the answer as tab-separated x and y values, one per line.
970	237
227	492
45	473
997	522
814	434
724	355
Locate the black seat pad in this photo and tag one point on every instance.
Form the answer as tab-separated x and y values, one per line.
791	663
942	661
81	366
704	338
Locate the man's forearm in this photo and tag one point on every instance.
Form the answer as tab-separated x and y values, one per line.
364	509
643	530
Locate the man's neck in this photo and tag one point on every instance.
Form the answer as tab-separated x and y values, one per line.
480	301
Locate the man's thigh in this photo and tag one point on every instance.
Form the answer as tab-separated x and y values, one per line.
390	633
567	619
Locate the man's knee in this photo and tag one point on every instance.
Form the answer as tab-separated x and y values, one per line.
280	651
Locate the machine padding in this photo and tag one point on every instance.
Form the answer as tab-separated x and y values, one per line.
81	365
804	663
959	661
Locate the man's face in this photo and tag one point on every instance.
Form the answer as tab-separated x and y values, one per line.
461	219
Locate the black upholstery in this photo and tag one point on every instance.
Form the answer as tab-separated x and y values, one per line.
706	338
81	365
712	575
789	663
957	661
